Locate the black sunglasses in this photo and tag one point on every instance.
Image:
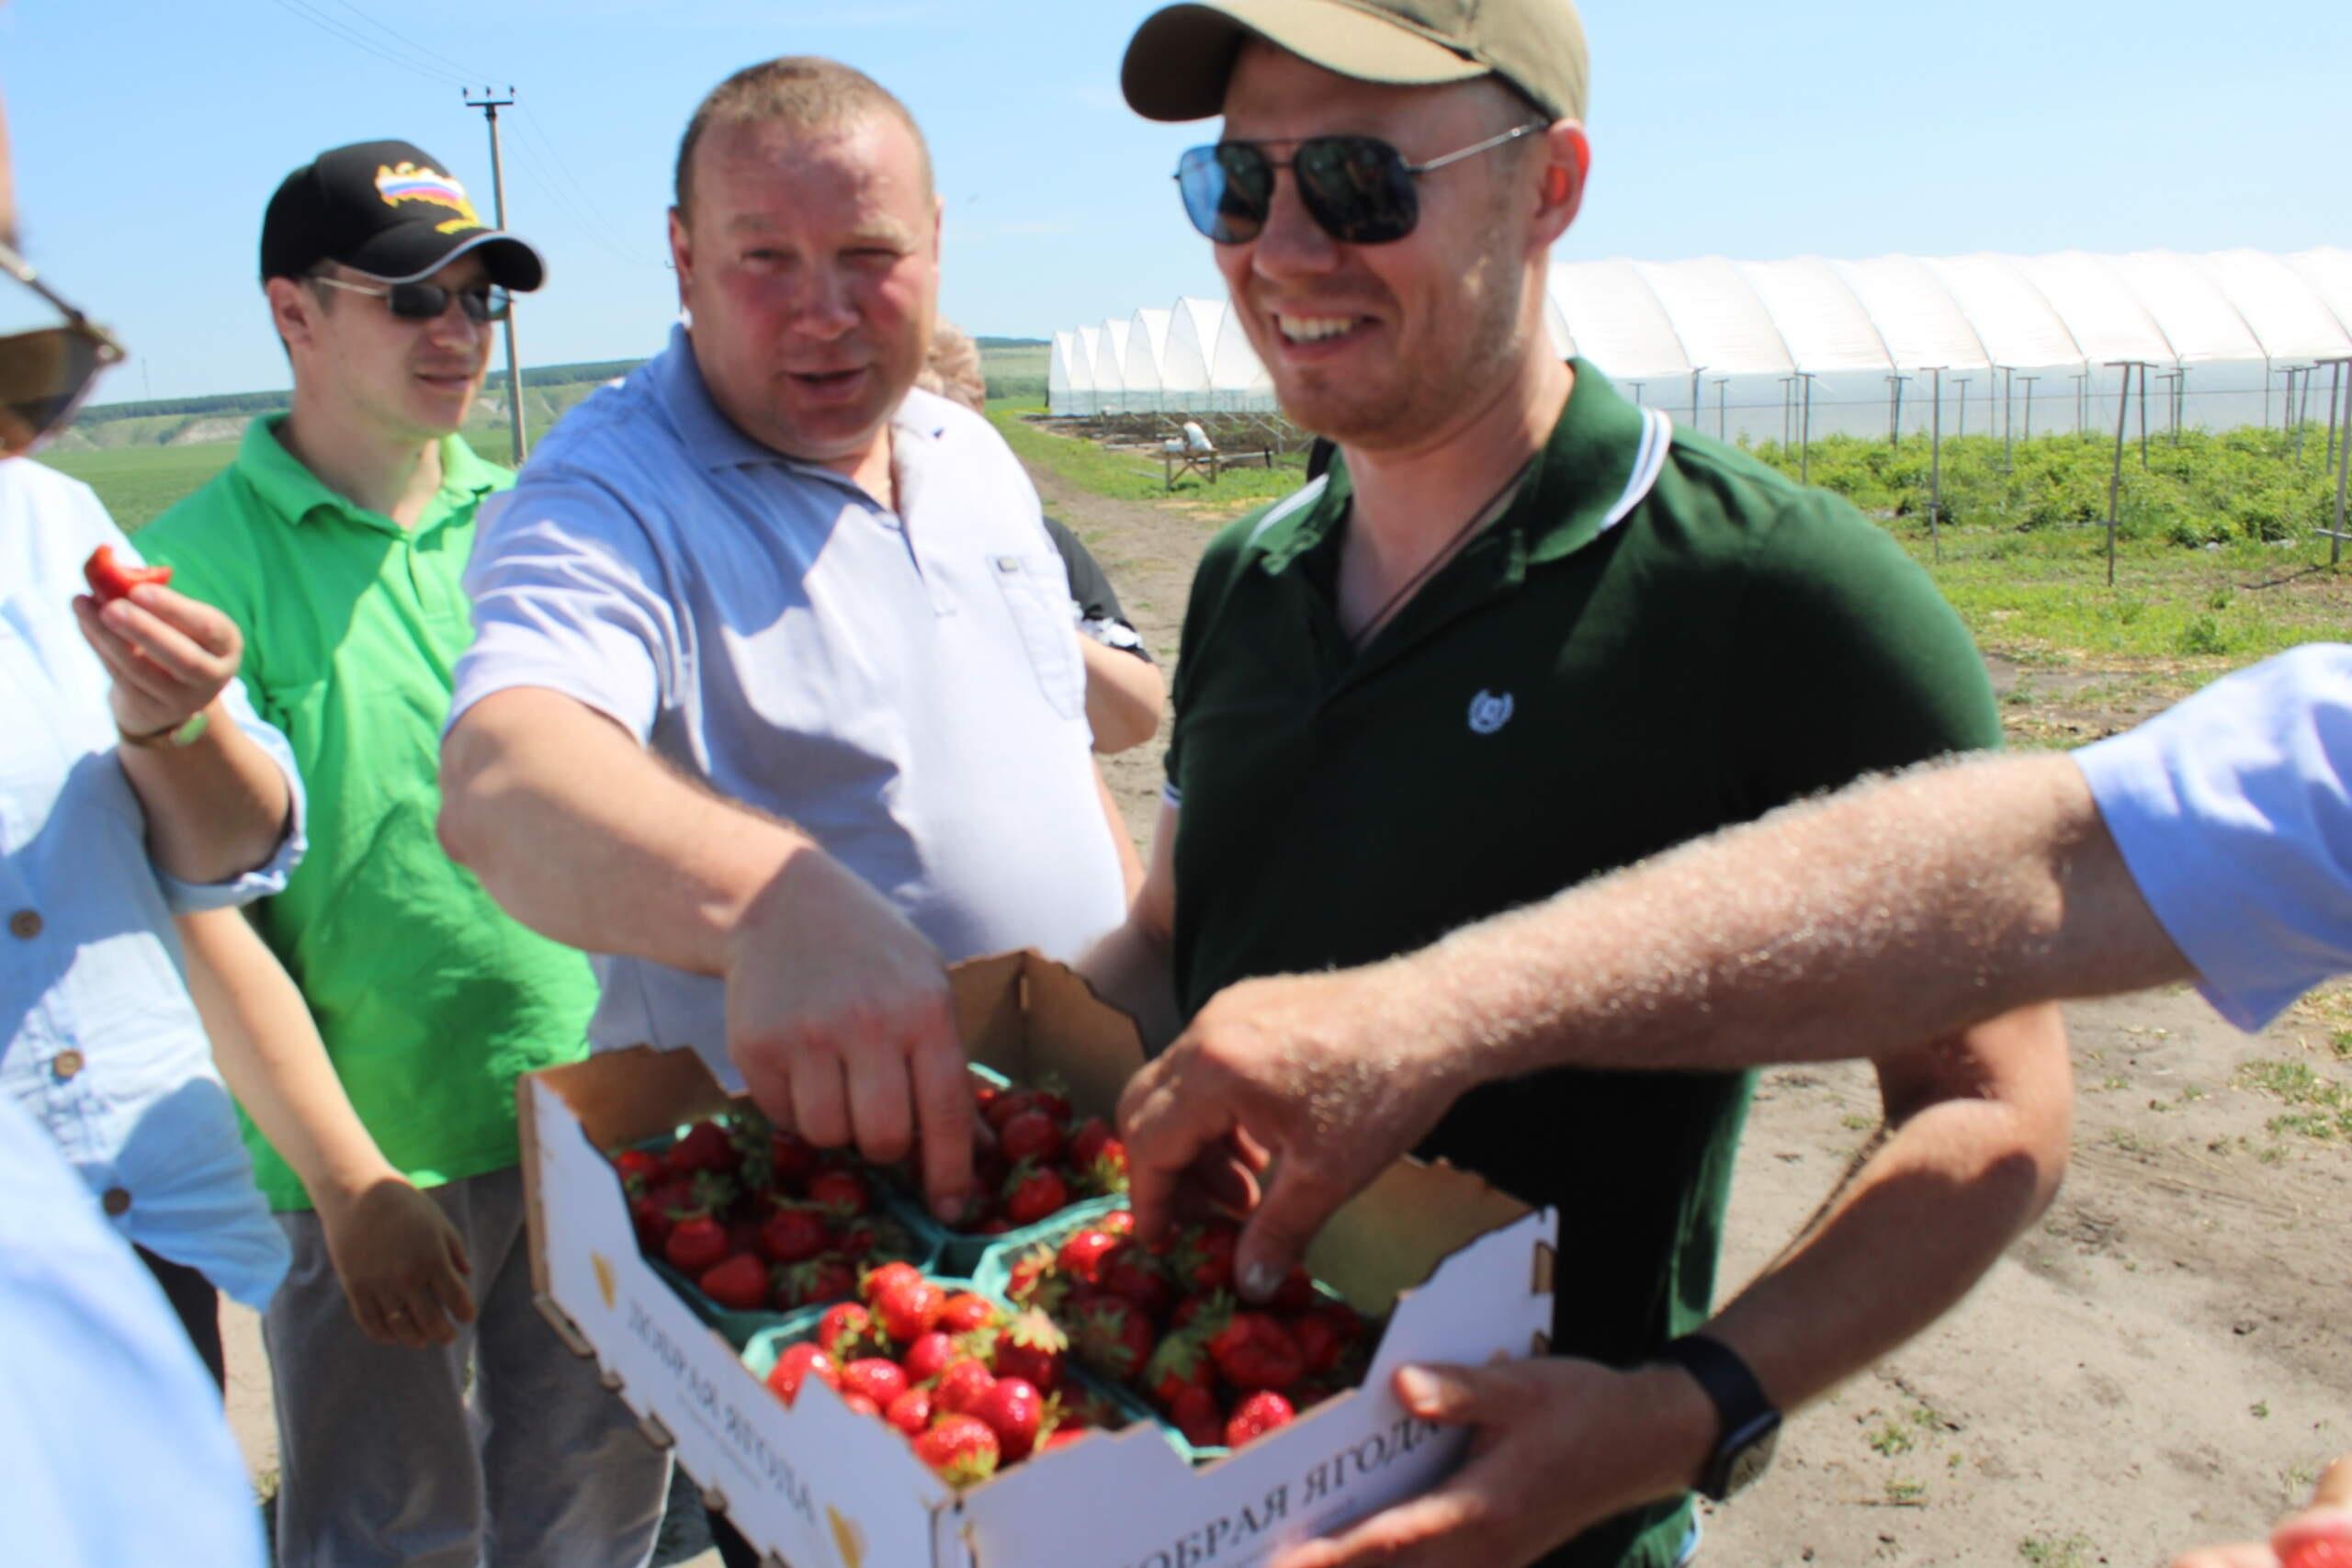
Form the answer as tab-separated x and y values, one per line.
45	375
1358	189
425	302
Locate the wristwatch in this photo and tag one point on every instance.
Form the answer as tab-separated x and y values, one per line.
184	733
1749	1426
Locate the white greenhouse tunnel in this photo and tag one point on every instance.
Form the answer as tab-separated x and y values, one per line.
1742	348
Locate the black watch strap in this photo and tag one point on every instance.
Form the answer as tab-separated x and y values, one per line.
1746	1422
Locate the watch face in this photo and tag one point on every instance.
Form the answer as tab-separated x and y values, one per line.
1751	1452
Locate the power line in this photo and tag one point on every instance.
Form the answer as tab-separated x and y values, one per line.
587	208
360	42
411	43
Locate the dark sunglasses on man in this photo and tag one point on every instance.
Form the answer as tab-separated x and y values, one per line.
44	375
1358	189
425	302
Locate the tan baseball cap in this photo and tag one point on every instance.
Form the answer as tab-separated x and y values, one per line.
1178	61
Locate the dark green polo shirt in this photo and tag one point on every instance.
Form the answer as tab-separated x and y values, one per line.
1660	637
431	1000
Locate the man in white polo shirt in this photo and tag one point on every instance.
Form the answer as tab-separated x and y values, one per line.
775	701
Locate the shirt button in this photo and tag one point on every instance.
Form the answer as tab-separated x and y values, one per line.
116	1203
25	924
65	1065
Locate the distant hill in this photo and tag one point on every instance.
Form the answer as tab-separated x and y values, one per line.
1015	368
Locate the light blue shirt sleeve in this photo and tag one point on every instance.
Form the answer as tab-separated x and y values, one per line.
112	1439
268	879
568	595
2234	811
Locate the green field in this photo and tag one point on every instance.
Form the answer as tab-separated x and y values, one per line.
138	482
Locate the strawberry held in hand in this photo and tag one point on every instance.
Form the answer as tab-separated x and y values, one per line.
110	579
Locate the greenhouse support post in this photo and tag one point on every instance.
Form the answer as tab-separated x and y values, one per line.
1805	441
2028	382
2343	466
1936	466
2114	478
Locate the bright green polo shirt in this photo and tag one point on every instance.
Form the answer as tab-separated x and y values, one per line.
430	998
1660	637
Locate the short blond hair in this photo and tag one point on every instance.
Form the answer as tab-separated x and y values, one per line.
800	92
953	371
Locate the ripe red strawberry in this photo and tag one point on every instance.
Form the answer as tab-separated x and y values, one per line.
1320	1345
695	1245
1106	1173
2300	1549
1031	1136
651	1218
793	1234
740	1284
798	1363
1112	1339
1031	1195
1197	1415
1255	1416
1295	1293
909	1309
879	1280
791	1158
1202	1258
847	1331
1012	1407
878	1378
1082	1255
1132	1274
964	1312
858	1405
824	1278
1005	1105
1087	1141
640	1168
961	1386
911	1411
706	1146
1181	1362
1062	1437
1054	1104
1253	1351
1031	1347
1118	1222
959	1448
840	1190
929	1355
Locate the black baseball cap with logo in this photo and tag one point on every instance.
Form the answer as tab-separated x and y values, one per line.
389	209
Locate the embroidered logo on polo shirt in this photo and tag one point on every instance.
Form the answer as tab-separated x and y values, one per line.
1489	712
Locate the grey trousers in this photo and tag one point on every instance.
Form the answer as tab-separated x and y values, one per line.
392	1456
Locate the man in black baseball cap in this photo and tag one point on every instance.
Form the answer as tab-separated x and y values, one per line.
424	1417
389	209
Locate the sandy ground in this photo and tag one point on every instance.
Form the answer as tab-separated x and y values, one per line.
2160	1363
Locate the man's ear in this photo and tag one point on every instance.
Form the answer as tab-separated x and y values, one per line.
294	311
682	253
1567	160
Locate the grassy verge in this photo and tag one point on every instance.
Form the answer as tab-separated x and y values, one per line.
1131	476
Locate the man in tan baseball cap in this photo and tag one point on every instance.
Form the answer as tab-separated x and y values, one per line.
1523	631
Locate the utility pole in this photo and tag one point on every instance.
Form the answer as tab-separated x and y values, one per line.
489	107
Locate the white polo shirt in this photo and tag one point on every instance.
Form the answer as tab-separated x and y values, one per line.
2234	811
903	685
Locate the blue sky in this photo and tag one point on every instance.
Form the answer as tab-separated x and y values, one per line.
149	133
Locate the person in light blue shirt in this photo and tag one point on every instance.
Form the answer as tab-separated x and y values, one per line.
136	783
113	1451
103	1045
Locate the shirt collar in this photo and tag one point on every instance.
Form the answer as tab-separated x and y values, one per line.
295	493
1600	461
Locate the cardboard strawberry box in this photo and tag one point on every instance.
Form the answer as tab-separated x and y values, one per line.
1458	1271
